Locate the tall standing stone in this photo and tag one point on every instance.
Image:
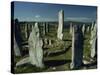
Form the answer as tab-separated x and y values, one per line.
16	49
44	28
83	29
26	35
88	28
47	28
71	28
17	35
93	41
77	47
35	47
32	26
92	26
60	26
28	29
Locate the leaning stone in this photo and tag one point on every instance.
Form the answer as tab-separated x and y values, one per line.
23	61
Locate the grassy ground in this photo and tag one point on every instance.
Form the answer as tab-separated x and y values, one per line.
59	62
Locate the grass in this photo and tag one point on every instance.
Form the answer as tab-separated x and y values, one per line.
66	56
28	69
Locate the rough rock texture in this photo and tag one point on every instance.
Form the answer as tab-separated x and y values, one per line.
77	47
35	47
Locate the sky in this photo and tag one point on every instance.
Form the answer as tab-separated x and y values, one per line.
29	11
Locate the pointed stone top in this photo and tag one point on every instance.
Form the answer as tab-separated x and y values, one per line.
61	11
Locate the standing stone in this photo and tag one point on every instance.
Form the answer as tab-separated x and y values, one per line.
93	41
50	42
60	26
83	29
44	28
26	35
77	47
88	27
45	41
32	26
16	49
71	28
35	47
47	30
92	26
28	31
17	35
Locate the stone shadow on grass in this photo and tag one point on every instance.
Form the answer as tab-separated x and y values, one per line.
52	63
56	52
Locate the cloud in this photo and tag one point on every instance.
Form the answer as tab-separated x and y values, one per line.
37	16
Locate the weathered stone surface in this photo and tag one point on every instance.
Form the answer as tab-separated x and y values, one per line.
44	28
88	28
45	41
50	42
17	36
92	26
47	28
26	35
77	47
83	29
71	28
23	61
93	41
60	26
16	49
35	47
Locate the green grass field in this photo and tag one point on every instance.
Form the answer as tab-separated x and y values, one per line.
59	62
